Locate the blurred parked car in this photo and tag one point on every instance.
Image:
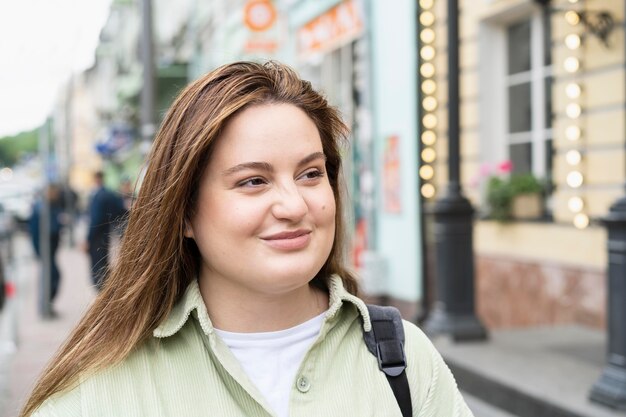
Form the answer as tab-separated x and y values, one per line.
17	200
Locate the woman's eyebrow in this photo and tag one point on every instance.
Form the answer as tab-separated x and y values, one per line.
261	166
264	166
311	158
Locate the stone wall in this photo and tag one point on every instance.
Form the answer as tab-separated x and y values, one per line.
516	293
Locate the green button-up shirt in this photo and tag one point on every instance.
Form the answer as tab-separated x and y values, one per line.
187	370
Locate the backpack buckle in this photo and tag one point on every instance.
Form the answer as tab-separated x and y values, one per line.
391	359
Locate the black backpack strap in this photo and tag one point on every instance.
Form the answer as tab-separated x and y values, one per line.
386	343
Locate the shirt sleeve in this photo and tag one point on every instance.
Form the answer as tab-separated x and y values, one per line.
434	392
66	404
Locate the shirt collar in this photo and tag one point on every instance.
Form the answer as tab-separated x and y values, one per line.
192	301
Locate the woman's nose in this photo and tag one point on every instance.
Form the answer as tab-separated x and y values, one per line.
289	204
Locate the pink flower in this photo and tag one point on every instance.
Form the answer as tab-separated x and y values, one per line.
505	167
485	170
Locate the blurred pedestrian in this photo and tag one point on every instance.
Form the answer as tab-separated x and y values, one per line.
231	296
127	192
106	209
52	194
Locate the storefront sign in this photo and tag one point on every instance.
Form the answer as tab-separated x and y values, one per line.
259	15
392	189
338	26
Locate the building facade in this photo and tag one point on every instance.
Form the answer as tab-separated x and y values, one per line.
542	96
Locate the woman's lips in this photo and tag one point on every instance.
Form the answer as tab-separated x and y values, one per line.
289	240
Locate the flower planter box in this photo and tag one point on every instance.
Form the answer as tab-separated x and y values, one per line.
527	206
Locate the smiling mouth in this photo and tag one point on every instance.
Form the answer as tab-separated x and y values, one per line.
295	240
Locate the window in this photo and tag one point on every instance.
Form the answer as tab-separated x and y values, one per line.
528	83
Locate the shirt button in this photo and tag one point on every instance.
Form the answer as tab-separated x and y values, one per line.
303	384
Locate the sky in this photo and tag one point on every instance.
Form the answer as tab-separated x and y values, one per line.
42	42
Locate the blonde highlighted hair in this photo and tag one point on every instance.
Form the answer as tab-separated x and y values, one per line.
156	262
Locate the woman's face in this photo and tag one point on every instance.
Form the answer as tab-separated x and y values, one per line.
265	215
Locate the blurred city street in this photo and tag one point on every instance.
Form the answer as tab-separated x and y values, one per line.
485	169
27	342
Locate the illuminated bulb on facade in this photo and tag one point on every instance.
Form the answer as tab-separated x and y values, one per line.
428	155
427	35
573	1
574	179
429	138
426	4
427	18
427	53
573	110
572	90
429	103
572	133
571	64
581	221
573	157
430	121
427	172
428	190
572	41
575	204
427	70
572	18
429	87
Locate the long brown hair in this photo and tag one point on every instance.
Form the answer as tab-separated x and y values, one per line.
156	262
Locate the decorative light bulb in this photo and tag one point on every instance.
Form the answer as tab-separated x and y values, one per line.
427	70
573	90
571	64
427	53
428	190
428	155
430	121
573	133
572	17
427	172
429	138
574	179
575	204
427	35
573	110
427	18
429	103
429	87
426	4
581	221
572	41
573	157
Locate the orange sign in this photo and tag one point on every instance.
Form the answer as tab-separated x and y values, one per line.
259	15
392	189
339	25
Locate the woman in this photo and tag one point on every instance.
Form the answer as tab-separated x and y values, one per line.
230	296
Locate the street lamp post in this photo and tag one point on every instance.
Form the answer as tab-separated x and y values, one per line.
453	311
148	126
45	306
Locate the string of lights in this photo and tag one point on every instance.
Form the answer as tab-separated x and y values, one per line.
428	105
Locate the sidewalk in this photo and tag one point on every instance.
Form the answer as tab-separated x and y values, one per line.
38	339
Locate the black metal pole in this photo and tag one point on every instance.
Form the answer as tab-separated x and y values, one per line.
610	389
453	312
148	126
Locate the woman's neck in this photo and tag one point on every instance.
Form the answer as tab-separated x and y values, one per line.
236	309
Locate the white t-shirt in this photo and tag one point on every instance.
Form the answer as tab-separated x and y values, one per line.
271	359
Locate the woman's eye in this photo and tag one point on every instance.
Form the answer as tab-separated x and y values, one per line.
313	174
252	182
